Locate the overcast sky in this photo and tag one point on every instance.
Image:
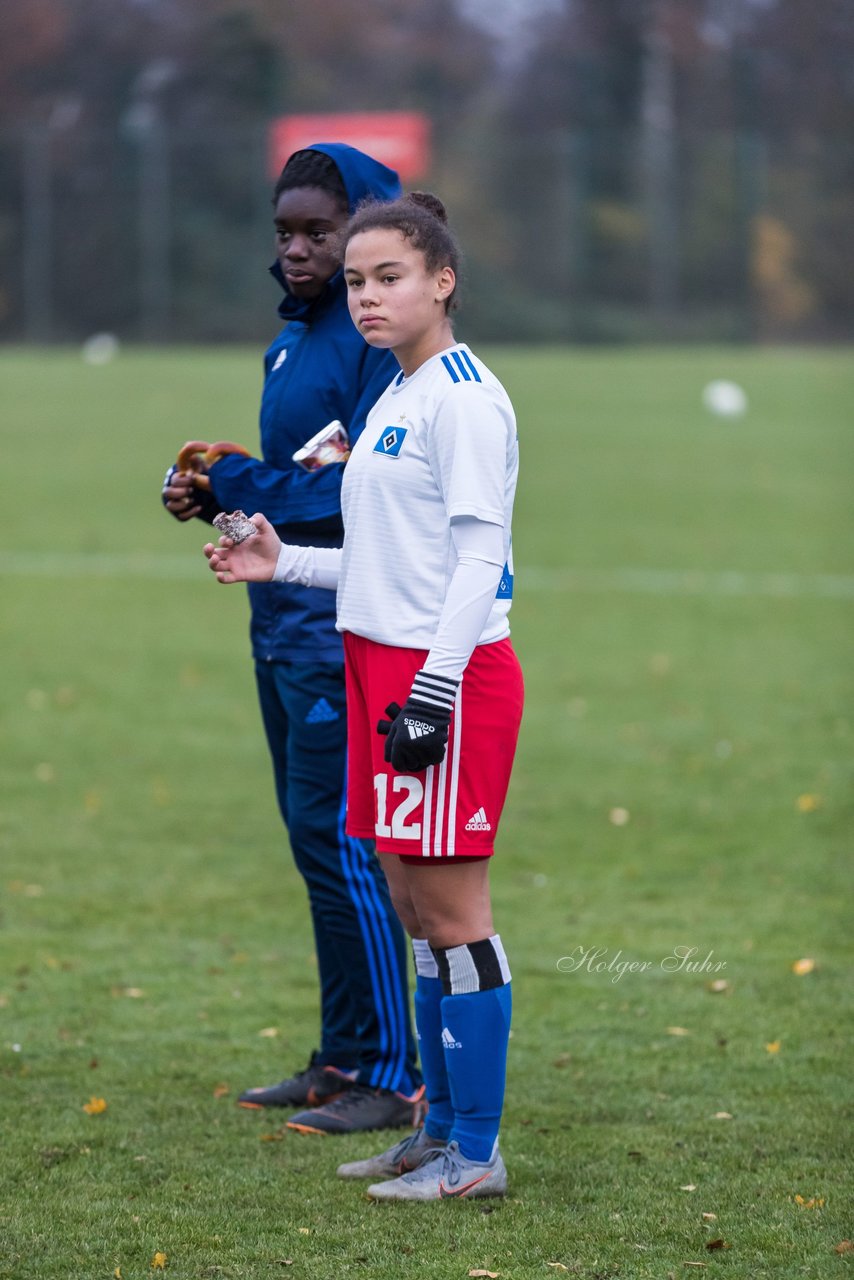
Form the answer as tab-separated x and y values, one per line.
509	20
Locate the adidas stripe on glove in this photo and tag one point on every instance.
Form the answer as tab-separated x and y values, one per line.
417	733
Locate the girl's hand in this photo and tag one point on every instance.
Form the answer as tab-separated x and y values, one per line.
251	561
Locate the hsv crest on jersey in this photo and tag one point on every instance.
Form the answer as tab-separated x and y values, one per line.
391	441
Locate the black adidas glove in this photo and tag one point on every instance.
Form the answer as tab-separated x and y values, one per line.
203	498
417	734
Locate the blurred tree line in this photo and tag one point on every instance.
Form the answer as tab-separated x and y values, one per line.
617	169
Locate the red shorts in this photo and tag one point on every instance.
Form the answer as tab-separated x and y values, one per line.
450	809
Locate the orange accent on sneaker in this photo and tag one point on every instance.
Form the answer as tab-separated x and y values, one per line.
460	1191
315	1099
306	1128
252	1106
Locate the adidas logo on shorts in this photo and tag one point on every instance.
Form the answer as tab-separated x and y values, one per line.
449	1041
478	822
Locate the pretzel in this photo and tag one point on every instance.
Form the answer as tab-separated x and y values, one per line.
197	455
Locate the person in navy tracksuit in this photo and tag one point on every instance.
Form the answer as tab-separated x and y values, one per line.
317	370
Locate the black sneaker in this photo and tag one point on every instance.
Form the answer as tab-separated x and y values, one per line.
316	1085
361	1109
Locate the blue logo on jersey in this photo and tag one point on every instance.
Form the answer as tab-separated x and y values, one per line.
391	441
505	586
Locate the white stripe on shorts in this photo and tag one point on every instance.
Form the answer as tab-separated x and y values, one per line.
441	790
441	786
428	809
455	772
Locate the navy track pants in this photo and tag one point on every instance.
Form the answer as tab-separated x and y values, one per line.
361	950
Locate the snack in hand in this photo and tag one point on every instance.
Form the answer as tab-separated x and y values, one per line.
235	525
332	444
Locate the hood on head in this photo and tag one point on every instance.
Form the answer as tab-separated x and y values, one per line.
363	176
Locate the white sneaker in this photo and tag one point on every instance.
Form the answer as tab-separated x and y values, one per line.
403	1157
447	1175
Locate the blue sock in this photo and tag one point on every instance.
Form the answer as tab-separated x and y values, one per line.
428	1025
475	1032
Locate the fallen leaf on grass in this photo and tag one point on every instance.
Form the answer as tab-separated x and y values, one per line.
619	817
710	1217
118	1273
722	1115
131	993
269	1033
694	1264
305	1231
809	802
491	1274
677	1031
711	1245
158	1262
814	1202
690	1186
221	1091
718	986
844	1246
560	1267
804	965
773	1046
28	890
95	1106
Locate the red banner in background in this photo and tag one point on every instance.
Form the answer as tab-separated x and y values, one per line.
400	139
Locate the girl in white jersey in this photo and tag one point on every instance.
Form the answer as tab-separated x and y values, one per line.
424	583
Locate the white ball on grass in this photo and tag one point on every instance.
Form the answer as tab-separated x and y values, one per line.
725	399
101	348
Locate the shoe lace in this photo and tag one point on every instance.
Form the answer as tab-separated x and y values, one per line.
453	1171
426	1170
405	1145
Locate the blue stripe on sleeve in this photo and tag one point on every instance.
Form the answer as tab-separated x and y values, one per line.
451	370
463	370
465	355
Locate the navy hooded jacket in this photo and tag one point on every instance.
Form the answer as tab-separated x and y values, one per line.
319	368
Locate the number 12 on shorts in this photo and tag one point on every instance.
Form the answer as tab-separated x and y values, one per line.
414	794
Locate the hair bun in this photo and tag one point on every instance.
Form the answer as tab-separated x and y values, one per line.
431	203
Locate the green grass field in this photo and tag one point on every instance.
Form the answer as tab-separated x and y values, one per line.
684	615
